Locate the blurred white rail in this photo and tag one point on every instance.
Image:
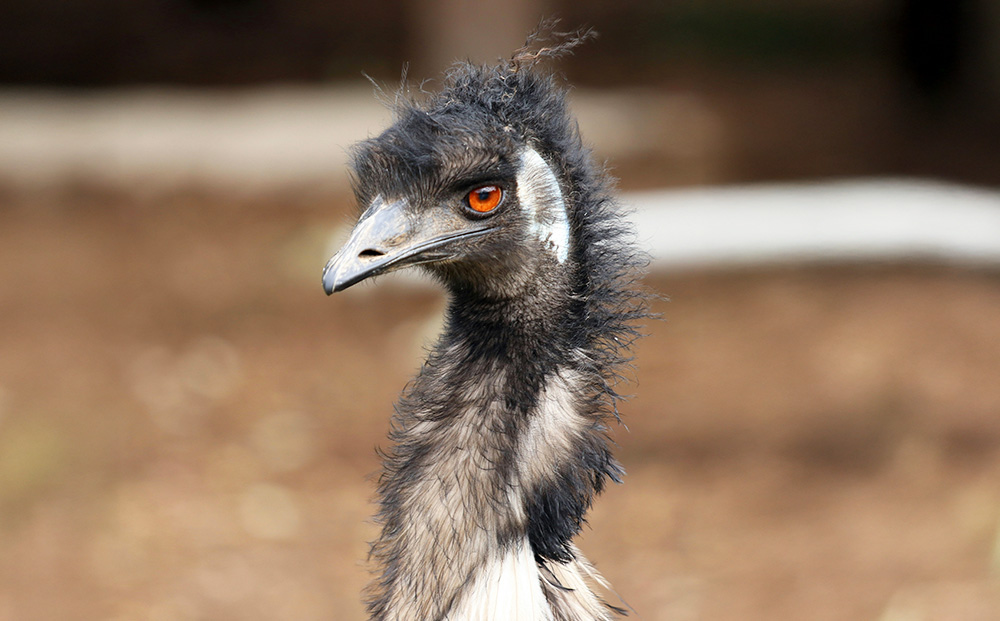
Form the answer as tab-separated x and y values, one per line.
234	140
877	219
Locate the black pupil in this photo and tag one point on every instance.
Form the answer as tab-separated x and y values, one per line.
484	194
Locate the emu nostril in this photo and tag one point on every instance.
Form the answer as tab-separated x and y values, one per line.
370	252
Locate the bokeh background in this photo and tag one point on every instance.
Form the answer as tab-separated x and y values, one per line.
188	425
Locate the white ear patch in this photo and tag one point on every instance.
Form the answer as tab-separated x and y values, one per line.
541	199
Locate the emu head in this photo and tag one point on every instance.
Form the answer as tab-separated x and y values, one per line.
473	186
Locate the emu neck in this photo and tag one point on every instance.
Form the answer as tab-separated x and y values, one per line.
528	333
472	493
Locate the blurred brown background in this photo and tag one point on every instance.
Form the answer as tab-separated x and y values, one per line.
188	425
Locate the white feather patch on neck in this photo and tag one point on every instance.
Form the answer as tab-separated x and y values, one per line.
508	587
541	199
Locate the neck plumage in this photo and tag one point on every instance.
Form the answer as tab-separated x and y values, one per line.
499	450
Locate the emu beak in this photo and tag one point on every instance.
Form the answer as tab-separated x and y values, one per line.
390	236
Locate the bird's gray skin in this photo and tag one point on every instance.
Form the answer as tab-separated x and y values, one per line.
500	442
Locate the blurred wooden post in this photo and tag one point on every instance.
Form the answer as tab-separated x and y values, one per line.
449	30
991	51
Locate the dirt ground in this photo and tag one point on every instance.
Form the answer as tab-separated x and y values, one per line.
188	427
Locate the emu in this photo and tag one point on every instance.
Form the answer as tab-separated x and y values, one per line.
500	443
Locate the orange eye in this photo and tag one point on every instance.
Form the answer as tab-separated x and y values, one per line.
484	199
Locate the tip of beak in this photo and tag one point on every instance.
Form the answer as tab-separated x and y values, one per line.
331	287
330	279
337	277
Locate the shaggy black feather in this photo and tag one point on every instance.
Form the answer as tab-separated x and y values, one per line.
509	309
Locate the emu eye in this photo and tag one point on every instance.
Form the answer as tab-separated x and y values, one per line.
484	199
